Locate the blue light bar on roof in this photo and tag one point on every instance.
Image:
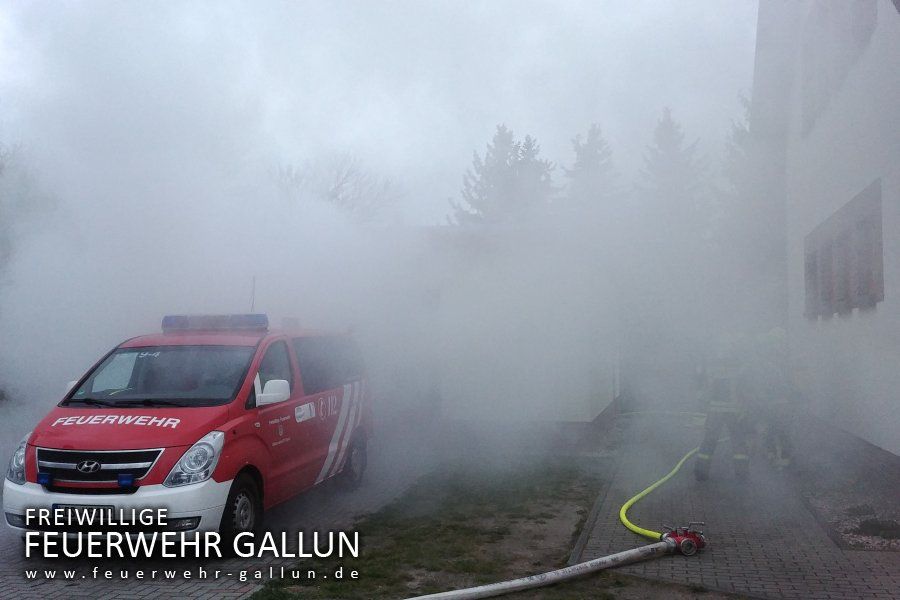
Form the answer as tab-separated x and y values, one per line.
249	322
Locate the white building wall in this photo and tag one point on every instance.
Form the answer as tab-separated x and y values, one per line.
849	365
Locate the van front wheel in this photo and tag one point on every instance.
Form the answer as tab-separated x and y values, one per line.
243	509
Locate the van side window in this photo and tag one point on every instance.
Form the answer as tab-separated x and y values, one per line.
315	368
276	365
327	363
351	360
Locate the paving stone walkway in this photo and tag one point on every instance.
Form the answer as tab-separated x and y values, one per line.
763	541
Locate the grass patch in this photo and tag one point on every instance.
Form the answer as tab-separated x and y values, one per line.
456	529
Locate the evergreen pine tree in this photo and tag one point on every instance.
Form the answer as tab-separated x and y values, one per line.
532	182
592	176
509	181
673	186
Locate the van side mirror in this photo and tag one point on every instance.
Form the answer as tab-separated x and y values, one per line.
275	391
70	385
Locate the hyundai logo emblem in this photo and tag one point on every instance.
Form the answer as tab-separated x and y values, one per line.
88	466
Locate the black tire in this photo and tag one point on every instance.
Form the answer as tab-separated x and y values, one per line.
243	509
354	468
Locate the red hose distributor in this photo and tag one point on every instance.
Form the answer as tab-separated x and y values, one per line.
685	540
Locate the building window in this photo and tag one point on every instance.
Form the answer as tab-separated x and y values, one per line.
844	258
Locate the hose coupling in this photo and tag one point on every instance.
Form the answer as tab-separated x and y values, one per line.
685	540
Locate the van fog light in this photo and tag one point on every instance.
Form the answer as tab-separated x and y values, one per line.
15	520
184	524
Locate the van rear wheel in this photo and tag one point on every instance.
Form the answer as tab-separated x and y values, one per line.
355	465
243	509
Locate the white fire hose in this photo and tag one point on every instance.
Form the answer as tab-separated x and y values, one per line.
533	581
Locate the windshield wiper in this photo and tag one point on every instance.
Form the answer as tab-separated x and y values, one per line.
91	401
148	402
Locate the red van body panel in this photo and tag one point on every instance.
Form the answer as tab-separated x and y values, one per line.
293	453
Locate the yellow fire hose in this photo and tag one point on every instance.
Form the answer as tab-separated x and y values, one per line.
623	512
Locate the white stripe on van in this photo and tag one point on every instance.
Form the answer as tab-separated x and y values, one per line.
336	436
351	427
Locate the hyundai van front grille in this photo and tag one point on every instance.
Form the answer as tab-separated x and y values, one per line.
95	466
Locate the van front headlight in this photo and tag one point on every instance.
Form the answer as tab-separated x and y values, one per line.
199	462
16	470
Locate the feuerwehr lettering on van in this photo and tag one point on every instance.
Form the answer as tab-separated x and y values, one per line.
145	420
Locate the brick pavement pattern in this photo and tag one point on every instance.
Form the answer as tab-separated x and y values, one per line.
763	542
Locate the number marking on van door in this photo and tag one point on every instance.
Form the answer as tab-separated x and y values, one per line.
328	407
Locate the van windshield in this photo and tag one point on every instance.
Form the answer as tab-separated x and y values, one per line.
166	376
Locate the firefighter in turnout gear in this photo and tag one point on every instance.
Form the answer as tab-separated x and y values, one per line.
774	395
723	391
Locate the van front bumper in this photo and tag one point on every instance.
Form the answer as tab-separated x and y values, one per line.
205	501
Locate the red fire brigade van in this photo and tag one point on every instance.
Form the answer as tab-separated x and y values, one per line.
216	419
